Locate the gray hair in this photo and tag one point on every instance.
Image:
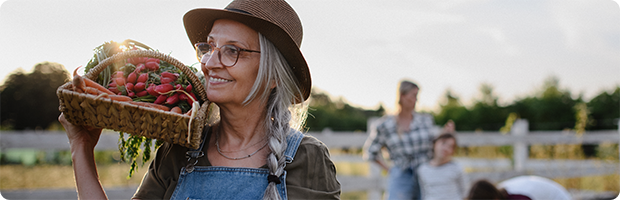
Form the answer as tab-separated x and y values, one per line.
282	112
406	86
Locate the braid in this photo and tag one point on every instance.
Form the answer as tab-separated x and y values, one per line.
277	143
279	118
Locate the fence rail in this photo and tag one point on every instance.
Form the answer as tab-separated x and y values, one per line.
519	138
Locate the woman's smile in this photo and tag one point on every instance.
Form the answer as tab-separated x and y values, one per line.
215	80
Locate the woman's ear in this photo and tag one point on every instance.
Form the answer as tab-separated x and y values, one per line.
273	84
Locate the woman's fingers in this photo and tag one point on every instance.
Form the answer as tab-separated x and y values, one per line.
449	127
80	135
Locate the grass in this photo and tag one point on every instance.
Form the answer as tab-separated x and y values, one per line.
14	177
352	169
61	176
354	195
114	174
592	183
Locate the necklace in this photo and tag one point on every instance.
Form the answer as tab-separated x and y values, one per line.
234	151
217	145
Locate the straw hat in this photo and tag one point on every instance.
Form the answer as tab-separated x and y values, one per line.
275	19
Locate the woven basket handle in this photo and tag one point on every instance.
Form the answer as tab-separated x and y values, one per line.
200	90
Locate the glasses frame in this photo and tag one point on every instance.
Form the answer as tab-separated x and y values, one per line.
219	54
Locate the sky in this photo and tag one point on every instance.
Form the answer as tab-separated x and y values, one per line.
359	50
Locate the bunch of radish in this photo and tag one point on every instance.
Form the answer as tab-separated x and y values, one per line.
141	81
154	81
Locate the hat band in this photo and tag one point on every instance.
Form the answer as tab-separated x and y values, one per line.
239	11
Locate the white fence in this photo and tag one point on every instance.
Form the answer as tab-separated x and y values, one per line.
497	169
519	138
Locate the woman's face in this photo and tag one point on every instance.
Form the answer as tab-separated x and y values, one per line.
231	84
409	99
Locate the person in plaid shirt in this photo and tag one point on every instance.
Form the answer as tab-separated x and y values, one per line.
408	137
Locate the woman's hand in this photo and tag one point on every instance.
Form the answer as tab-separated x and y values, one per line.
79	135
83	141
382	164
449	127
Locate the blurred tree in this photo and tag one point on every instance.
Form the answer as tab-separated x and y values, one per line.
604	111
550	109
29	101
337	115
485	113
454	110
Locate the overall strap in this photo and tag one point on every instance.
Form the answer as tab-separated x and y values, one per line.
195	154
293	140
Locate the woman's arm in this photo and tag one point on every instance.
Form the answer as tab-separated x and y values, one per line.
373	146
82	141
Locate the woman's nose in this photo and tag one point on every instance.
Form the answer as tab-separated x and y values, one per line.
211	62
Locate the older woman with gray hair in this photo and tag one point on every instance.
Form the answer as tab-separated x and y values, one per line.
257	76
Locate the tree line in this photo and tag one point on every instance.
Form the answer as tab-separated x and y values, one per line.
29	102
549	108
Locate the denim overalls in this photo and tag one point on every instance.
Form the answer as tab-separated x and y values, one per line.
209	182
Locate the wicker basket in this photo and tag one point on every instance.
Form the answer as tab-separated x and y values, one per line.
88	110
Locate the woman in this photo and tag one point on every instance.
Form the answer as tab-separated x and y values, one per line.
249	53
408	137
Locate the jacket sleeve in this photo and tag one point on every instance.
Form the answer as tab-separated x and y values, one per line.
161	178
312	174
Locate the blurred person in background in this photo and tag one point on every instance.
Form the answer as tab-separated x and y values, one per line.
441	177
408	137
521	188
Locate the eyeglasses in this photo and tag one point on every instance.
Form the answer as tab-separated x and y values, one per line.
230	52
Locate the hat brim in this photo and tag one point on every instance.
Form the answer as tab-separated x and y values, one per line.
198	24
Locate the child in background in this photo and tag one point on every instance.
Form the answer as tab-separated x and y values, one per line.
441	178
525	187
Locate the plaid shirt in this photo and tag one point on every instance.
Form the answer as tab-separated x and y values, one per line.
407	150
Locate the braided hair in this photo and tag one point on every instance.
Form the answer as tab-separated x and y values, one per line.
282	112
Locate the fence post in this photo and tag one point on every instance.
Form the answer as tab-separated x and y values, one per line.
520	128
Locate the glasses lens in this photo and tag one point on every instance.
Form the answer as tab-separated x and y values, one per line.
203	49
229	55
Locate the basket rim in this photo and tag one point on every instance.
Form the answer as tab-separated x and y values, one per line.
196	84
